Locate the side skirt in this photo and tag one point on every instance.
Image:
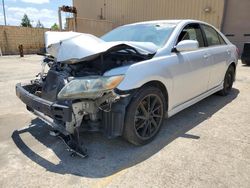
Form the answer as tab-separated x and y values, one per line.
193	101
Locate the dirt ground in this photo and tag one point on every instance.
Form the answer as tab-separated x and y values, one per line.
206	145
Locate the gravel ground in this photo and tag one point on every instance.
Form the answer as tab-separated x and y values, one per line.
206	145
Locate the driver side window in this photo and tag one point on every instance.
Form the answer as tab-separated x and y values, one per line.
192	32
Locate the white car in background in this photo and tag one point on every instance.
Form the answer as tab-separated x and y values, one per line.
126	82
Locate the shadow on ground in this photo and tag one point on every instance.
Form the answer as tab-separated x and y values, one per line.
107	157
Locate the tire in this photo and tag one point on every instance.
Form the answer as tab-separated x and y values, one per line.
228	81
145	115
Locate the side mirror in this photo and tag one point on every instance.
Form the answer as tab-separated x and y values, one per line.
186	45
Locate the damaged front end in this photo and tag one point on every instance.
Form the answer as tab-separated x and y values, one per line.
65	111
75	93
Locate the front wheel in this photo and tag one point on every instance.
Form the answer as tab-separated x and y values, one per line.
144	116
228	81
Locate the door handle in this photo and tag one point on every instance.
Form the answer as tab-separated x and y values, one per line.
206	56
228	52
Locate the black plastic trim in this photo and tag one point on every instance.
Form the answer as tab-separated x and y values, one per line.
53	110
126	92
113	121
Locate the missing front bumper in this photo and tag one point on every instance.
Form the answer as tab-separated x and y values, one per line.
51	109
65	117
51	113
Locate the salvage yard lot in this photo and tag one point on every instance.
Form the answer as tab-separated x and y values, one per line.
206	145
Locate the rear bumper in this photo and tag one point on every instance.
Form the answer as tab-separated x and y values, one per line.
36	104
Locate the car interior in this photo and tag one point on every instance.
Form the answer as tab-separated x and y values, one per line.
192	32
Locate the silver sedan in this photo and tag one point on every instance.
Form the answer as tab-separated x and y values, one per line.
126	82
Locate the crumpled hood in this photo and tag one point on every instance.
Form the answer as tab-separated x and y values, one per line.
75	47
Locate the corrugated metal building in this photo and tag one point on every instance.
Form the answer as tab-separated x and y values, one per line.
121	12
99	16
236	24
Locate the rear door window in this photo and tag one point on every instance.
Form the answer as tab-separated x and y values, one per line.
212	36
222	41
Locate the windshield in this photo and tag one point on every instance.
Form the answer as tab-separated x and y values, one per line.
157	33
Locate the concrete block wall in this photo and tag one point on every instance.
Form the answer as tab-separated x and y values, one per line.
11	37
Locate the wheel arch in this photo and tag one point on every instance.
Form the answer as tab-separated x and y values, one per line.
233	64
161	86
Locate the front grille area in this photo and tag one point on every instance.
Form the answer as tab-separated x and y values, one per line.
53	84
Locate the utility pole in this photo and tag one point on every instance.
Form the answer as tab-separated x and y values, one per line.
60	18
69	9
4	15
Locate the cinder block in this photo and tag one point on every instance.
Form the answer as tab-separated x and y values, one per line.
12	36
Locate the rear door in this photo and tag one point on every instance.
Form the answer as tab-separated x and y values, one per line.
220	53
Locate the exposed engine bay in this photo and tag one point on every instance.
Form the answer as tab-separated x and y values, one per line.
74	93
48	85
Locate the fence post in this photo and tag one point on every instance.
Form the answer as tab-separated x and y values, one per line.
20	47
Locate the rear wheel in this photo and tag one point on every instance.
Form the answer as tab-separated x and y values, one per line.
228	81
144	116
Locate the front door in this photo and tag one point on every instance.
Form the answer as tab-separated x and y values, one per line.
192	68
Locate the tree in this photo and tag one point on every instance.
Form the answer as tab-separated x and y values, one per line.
25	21
39	24
54	27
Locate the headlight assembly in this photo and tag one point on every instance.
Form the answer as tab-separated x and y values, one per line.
89	87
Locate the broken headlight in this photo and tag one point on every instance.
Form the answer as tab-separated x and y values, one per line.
89	87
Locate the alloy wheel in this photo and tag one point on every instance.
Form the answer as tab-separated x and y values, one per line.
148	116
229	82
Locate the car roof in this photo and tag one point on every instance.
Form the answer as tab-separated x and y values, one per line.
175	22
